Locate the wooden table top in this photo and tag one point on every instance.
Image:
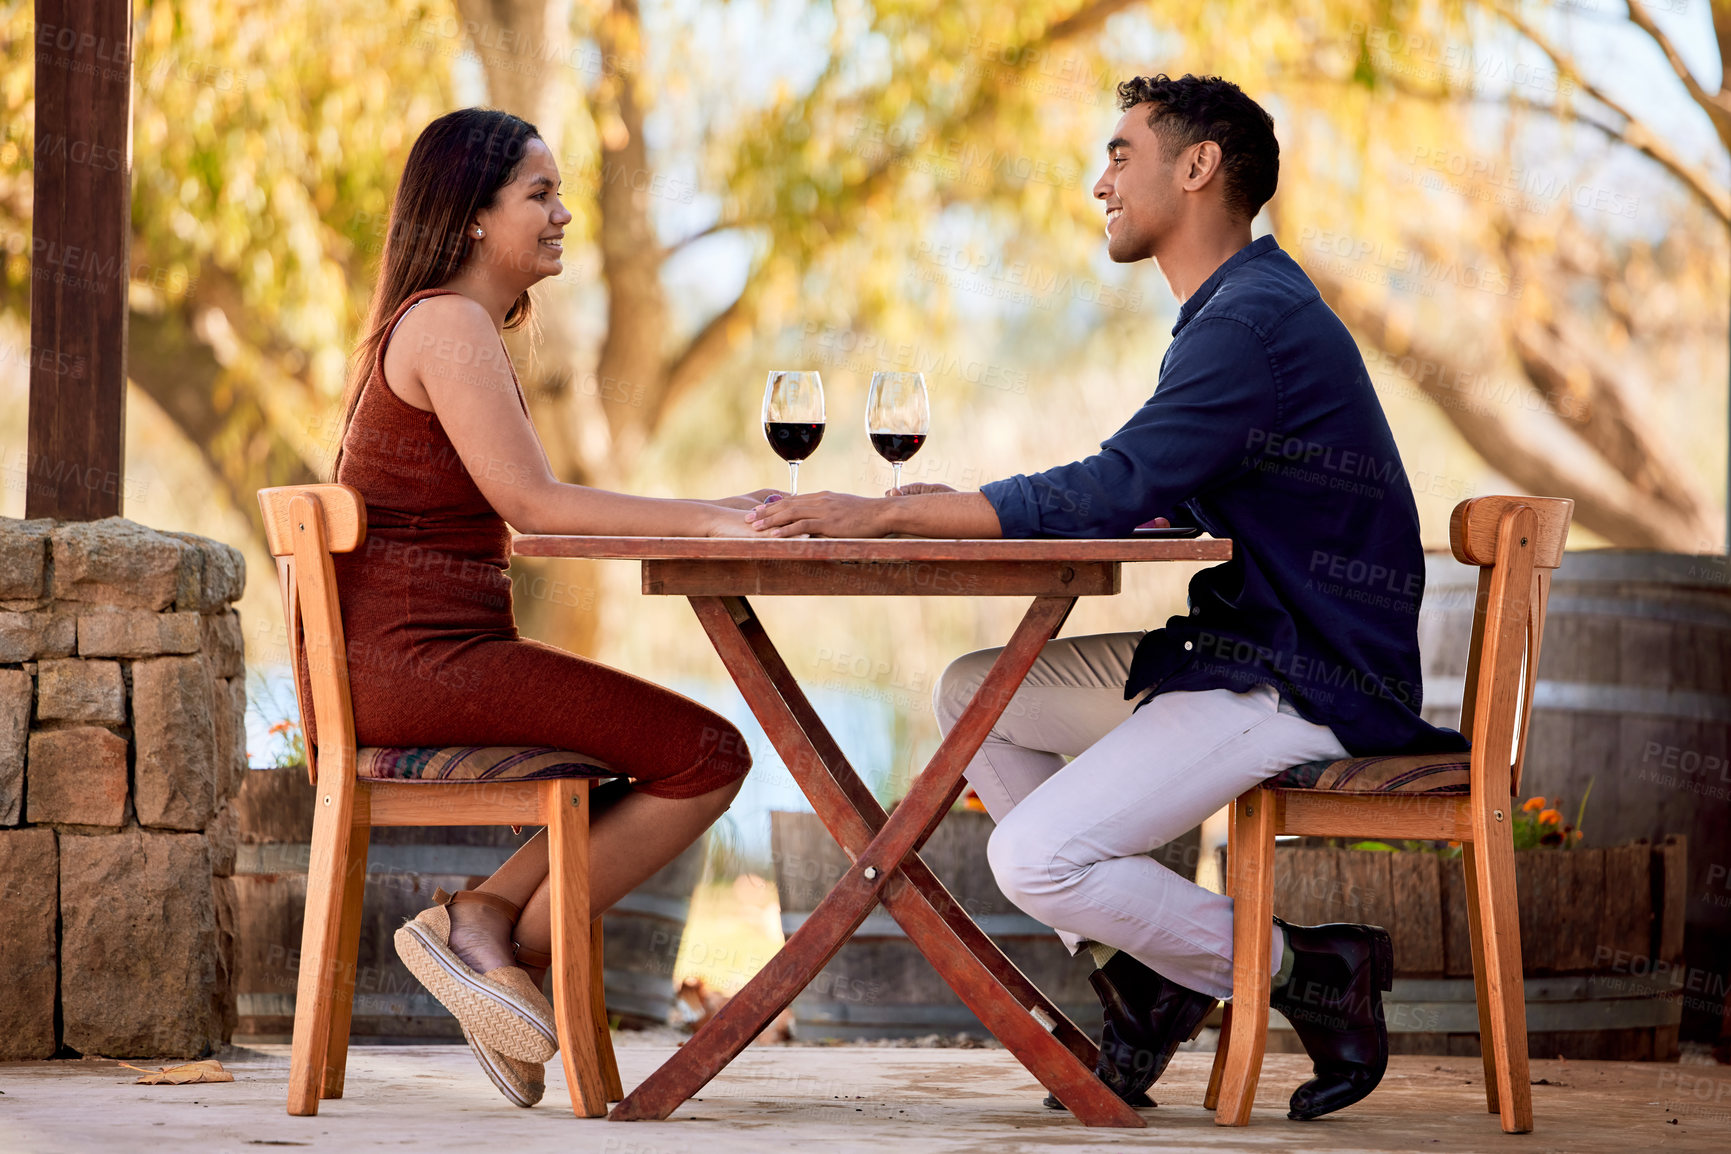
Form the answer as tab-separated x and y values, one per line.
876	549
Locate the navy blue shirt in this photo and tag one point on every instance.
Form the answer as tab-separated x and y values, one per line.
1264	428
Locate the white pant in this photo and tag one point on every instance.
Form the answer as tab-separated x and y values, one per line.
1072	857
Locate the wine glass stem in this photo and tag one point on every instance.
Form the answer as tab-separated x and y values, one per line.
896	472
793	478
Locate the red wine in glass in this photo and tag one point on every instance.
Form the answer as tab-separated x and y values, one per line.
898	417
793	440
897	447
793	418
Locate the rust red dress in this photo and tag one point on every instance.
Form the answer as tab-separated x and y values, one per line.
433	650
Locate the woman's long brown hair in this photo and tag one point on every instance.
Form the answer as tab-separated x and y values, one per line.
455	170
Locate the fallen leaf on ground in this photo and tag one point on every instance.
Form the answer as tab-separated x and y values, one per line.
191	1073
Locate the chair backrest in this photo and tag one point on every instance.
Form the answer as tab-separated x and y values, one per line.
1517	542
303	526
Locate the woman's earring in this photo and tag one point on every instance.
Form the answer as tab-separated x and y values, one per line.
479	234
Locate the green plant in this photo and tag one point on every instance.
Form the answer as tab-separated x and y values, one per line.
294	752
1538	824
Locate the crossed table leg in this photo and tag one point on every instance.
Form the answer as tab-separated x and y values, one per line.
886	868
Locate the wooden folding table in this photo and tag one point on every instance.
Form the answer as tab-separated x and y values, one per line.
718	575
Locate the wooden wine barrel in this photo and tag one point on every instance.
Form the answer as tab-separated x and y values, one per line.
404	866
879	985
1634	697
1601	944
642	934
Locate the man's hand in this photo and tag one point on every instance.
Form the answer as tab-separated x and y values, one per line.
821	515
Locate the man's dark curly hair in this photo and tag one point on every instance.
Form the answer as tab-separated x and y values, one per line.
1192	109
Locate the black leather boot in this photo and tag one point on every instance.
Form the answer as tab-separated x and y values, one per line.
1147	1018
1333	999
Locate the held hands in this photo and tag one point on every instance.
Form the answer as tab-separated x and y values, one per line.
725	521
943	512
749	500
821	515
731	513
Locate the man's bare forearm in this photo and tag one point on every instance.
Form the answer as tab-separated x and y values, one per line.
942	515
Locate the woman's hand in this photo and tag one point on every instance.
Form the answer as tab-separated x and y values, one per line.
730	521
915	489
821	515
749	500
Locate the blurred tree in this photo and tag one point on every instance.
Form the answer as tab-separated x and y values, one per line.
263	142
1588	352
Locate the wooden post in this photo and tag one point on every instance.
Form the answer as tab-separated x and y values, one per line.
80	253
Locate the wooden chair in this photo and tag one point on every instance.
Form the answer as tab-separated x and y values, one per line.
1517	542
304	525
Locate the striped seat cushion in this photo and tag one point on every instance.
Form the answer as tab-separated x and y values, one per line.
476	763
1406	773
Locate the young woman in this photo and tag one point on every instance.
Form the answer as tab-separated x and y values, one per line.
438	440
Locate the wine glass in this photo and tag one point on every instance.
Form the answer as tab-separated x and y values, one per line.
793	419
898	417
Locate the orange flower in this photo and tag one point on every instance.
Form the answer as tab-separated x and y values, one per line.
1550	817
282	726
1532	804
1577	835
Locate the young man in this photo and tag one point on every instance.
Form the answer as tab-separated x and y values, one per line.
1263	428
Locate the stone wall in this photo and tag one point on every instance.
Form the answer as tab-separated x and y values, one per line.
122	743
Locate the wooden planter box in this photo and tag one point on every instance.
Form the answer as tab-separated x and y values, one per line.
1601	942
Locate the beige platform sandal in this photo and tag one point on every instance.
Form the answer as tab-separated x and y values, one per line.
522	1083
501	1008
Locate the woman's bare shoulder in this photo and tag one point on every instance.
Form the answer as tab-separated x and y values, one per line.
448	315
439	332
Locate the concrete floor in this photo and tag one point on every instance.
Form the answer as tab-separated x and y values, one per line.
844	1098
